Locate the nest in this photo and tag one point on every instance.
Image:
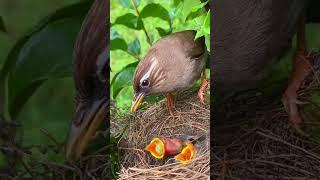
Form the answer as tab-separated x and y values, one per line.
265	146
191	119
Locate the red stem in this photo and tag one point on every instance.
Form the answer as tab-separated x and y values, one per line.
144	29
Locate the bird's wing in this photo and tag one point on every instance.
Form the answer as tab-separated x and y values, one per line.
184	41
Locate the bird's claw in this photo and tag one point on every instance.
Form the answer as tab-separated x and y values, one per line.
289	100
301	68
202	89
170	110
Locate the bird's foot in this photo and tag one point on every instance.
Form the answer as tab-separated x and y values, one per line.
289	101
202	89
169	103
301	68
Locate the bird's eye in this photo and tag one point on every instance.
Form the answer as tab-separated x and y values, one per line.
145	83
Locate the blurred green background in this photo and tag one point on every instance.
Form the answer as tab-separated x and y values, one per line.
51	106
184	15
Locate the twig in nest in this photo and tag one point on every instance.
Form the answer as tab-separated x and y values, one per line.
59	146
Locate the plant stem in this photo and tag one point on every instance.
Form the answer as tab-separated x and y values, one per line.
144	29
135	7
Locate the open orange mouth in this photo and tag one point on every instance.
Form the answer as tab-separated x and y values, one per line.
156	148
159	147
186	154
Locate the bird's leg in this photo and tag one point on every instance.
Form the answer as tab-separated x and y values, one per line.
169	103
301	68
203	86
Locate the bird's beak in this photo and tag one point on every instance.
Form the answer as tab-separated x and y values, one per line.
138	97
186	154
86	121
156	148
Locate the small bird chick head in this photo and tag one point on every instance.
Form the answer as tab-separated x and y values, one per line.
186	154
156	148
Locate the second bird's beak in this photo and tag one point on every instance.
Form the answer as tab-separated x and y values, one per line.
138	97
87	120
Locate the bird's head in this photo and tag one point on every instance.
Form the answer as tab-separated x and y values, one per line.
149	78
91	76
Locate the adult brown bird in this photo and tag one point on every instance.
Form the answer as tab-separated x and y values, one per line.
249	35
172	64
91	76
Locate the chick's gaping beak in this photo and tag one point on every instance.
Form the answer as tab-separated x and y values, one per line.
138	97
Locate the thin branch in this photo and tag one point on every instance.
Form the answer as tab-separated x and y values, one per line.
46	133
135	7
144	29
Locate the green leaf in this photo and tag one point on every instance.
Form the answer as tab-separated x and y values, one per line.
123	79
188	7
2	26
129	20
42	54
114	34
313	36
69	11
173	14
194	15
198	6
155	10
205	28
207	42
162	32
206	24
176	3
200	33
118	44
128	3
134	47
